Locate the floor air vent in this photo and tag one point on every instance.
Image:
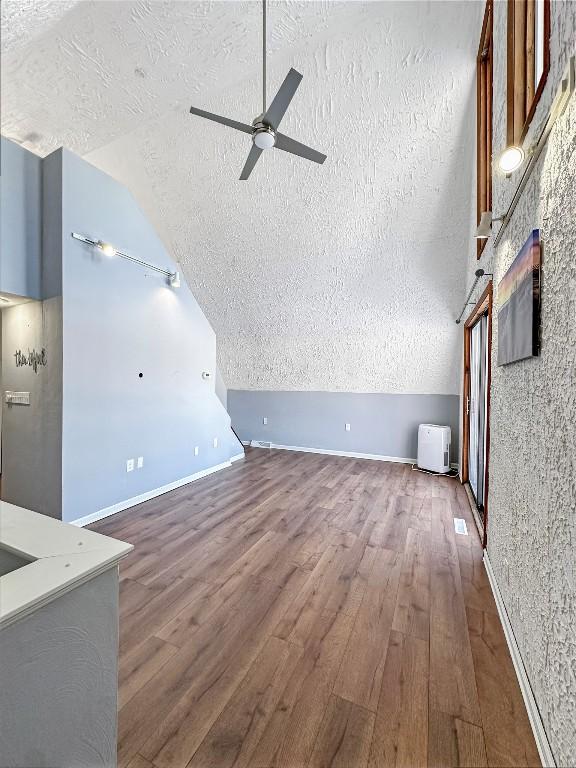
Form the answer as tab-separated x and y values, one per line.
460	526
260	444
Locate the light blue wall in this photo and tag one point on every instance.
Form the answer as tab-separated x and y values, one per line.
220	387
382	424
103	321
121	320
20	220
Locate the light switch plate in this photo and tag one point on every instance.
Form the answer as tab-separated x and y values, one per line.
18	398
215	442
347	427
140	462
196	450
265	420
129	465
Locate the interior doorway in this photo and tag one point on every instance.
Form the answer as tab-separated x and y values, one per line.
476	406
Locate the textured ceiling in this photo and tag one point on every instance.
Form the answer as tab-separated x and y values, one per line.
345	276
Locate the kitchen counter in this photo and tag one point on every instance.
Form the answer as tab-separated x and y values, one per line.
59	591
45	558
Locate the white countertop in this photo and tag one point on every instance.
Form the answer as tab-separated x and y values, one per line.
62	557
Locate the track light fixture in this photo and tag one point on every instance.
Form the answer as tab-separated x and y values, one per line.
484	228
511	159
109	250
106	248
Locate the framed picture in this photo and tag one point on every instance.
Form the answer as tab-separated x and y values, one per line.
519	305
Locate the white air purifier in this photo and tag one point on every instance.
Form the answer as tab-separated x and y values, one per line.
434	448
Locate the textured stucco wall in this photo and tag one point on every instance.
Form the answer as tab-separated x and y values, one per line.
532	501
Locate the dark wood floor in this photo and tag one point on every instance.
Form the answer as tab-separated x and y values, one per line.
303	610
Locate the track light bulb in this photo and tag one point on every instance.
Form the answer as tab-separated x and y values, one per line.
106	248
511	159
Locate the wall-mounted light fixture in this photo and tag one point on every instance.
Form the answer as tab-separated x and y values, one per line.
484	229
109	250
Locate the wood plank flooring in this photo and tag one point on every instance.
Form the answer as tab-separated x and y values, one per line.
305	610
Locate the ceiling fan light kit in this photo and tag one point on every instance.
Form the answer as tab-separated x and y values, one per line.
263	137
264	129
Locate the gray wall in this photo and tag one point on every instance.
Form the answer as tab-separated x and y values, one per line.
20	217
532	495
383	424
121	320
58	681
31	248
31	458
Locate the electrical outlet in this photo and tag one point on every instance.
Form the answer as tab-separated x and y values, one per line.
129	465
347	427
196	450
215	442
140	462
265	420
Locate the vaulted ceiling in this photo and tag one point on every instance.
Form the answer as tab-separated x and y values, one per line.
345	276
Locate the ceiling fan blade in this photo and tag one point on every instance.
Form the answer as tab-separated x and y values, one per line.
224	120
290	145
276	110
253	156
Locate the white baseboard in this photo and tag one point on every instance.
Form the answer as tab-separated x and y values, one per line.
540	737
245	442
132	502
237	457
350	454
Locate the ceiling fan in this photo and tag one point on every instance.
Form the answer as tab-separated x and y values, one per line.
264	128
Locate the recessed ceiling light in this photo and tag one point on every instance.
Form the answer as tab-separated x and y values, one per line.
511	159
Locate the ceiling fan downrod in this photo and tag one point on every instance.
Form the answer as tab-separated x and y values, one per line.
263	57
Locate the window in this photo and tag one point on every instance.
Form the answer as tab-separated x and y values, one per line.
528	62
484	120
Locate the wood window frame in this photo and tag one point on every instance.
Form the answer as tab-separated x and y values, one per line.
483	306
522	94
484	69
